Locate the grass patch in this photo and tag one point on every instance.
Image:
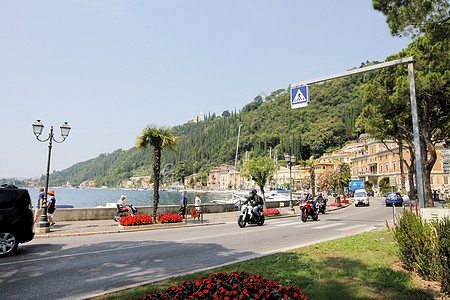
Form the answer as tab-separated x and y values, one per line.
354	267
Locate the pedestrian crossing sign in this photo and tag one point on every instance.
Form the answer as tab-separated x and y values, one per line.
299	96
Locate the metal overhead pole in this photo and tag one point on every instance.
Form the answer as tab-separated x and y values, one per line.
235	159
412	89
415	120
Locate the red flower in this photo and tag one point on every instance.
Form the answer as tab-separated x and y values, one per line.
169	218
136	220
240	285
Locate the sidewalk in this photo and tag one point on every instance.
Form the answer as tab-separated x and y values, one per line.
78	228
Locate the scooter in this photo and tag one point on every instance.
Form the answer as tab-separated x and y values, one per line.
247	216
308	209
123	212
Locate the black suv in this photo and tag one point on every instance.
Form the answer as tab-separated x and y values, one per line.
16	218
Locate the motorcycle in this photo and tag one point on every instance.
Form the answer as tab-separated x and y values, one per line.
123	212
247	216
322	204
308	208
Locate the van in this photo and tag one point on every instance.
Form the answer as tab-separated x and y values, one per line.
16	218
361	198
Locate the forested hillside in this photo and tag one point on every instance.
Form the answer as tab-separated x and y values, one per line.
270	123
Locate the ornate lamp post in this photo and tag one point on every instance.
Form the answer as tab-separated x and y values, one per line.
290	159
43	225
339	183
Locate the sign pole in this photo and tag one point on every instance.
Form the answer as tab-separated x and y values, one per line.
412	91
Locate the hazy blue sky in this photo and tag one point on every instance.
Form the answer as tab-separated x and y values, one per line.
109	67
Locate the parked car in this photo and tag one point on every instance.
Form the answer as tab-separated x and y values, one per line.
394	198
361	198
16	218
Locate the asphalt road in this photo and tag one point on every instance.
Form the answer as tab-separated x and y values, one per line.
79	267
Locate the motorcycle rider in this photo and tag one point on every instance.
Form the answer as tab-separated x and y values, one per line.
256	202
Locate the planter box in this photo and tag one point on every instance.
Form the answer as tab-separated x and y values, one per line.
432	213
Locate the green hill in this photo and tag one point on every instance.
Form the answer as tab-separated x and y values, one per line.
325	125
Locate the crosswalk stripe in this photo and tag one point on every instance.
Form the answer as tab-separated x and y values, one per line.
328	226
350	227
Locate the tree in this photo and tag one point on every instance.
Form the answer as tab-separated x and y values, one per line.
311	163
415	17
368	185
345	174
160	138
328	180
388	96
182	169
259	169
384	184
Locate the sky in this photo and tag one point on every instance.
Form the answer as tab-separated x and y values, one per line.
110	68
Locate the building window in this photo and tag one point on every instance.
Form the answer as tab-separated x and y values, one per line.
381	168
387	167
393	164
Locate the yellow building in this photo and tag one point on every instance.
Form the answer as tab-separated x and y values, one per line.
378	160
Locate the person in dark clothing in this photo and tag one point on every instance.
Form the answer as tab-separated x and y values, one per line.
256	202
51	207
183	203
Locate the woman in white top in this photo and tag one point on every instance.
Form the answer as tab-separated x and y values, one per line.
198	204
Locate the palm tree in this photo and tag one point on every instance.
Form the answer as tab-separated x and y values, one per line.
160	138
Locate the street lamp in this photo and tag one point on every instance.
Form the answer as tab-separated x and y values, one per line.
235	160
339	183
43	225
290	159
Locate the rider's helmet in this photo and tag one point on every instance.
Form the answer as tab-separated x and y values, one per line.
253	192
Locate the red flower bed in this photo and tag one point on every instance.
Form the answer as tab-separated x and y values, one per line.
169	218
238	285
136	220
345	201
271	212
335	204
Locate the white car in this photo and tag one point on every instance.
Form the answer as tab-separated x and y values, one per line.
361	198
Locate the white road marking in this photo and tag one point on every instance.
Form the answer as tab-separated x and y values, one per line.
350	227
328	226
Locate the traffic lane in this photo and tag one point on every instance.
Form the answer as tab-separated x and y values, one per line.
90	271
104	261
39	249
87	270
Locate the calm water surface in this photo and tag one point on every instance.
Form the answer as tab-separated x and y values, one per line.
83	198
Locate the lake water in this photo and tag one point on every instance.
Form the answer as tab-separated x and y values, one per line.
85	198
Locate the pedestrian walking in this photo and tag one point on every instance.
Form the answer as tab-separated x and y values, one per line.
198	205
38	211
51	205
183	204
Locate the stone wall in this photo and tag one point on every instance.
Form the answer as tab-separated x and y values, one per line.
84	214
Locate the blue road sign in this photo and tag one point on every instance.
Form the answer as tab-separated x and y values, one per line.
299	96
356	185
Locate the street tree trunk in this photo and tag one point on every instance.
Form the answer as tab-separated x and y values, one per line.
156	172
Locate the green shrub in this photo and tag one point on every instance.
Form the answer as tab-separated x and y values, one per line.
416	244
443	251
